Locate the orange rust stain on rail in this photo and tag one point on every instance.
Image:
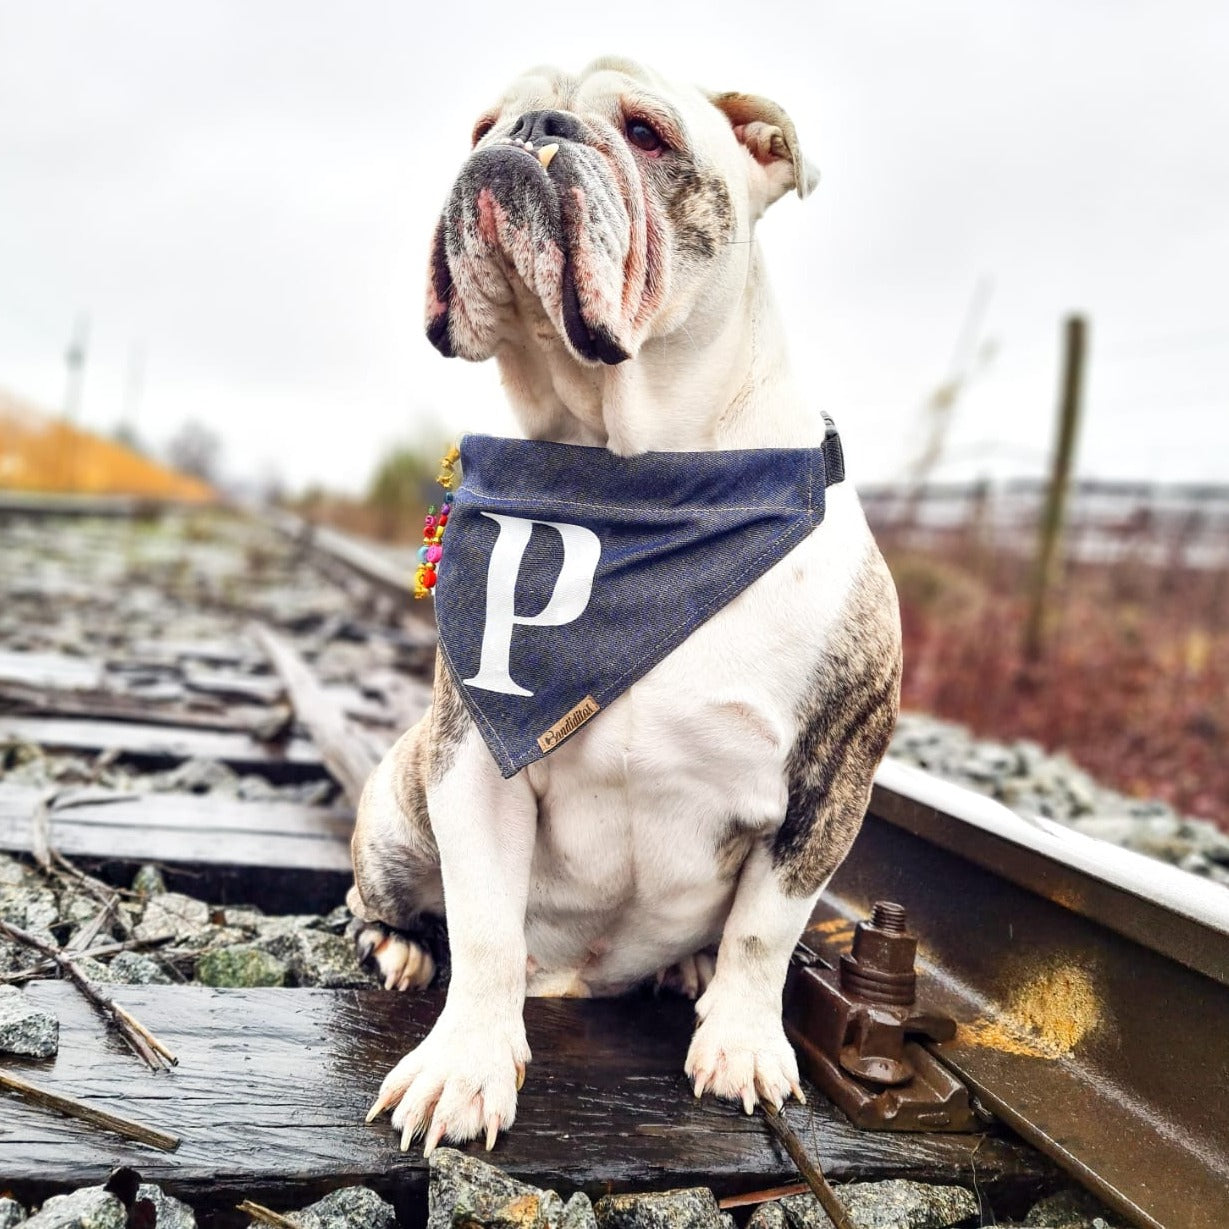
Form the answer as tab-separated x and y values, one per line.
1048	1015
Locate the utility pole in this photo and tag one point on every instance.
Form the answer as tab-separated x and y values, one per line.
74	361
1075	339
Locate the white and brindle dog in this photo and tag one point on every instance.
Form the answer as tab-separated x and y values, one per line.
599	243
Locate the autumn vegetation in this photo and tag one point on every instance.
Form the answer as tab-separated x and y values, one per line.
1133	678
41	453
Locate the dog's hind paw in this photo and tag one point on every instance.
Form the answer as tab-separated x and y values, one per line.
402	962
691	976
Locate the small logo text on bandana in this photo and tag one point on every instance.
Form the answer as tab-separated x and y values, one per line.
588	707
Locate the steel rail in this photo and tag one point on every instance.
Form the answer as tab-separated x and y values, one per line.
366	560
1090	986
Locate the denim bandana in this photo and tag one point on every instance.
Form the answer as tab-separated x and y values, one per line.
568	573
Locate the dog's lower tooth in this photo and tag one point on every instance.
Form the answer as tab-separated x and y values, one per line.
546	153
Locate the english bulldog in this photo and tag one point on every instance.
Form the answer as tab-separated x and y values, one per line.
599	243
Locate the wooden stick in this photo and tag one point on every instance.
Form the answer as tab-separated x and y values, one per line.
154	1044
87	1113
806	1167
267	1216
134	1036
765	1196
101	949
346	751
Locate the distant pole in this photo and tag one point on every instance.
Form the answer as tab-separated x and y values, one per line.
1075	339
74	361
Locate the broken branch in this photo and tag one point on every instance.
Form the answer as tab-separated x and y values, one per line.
88	1113
136	1035
267	1216
807	1167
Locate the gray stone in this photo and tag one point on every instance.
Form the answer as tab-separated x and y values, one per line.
172	915
89	1208
30	904
197	777
77	908
895	1204
578	1213
246	917
170	1213
213	937
241	965
352	1207
148	881
135	969
328	960
93	970
24	1028
11	1213
694	1208
464	1191
1069	1209
768	1216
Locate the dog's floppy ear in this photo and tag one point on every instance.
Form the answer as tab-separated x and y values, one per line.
769	137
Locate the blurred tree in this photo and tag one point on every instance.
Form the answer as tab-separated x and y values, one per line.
195	449
402	483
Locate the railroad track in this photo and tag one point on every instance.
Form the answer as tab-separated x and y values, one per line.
203	691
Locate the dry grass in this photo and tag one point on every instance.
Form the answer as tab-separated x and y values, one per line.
1134	682
41	453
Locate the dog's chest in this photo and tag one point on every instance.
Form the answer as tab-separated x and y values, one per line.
646	814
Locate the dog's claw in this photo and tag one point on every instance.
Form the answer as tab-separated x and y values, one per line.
799	1095
520	1076
433	1138
748	1101
492	1131
379	1105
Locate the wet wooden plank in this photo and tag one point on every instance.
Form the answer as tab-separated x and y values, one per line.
273	1085
183	830
294	759
142	708
49	670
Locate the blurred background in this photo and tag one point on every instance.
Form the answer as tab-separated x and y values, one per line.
213	229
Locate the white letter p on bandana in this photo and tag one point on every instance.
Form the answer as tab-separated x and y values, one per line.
573	588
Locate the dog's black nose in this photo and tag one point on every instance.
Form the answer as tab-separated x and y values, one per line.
542	127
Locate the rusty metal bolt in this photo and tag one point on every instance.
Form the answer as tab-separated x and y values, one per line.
880	966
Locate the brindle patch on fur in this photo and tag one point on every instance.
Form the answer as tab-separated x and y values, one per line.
733	846
844	728
395	858
700	210
450	721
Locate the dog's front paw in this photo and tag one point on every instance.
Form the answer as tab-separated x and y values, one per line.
740	1052
460	1082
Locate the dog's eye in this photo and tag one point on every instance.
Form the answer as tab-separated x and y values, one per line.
481	128
644	136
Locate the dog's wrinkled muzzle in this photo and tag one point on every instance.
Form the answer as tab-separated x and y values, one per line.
541	203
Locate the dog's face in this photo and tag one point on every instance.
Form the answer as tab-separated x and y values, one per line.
600	211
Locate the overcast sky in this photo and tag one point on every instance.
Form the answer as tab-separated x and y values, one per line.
245	191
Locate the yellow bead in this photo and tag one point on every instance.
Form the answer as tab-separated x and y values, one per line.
452	455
